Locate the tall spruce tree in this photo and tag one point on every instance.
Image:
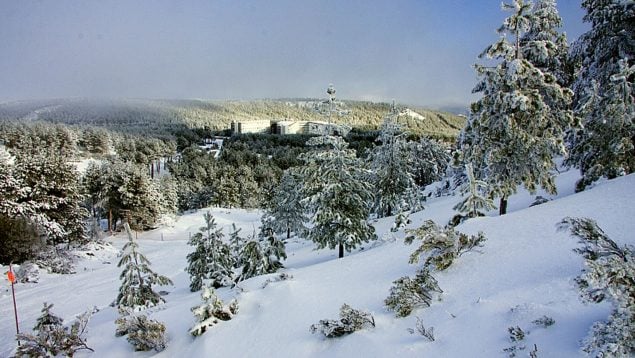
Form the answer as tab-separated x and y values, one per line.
516	128
393	173
337	195
137	278
605	92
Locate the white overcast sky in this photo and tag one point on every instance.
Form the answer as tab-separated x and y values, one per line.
414	51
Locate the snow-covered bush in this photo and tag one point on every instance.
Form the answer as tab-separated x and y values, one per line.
211	311
444	244
56	259
401	220
27	272
281	277
351	320
137	278
516	336
544	321
52	338
143	333
408	294
609	274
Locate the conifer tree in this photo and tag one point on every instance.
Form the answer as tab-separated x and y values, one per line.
475	202
605	92
263	256
211	258
236	243
211	311
137	278
287	212
393	175
337	195
516	128
51	338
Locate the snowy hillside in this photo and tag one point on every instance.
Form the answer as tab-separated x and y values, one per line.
524	271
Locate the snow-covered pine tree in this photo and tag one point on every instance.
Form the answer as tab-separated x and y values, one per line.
609	275
408	294
273	248
52	338
144	334
605	91
538	42
392	167
430	161
476	202
211	311
211	258
337	195
53	193
517	126
263	256
287	211
137	278
236	243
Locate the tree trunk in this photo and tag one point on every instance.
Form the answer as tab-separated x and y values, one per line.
110	221
288	233
341	250
502	209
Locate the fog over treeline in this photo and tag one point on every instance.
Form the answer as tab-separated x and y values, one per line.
417	52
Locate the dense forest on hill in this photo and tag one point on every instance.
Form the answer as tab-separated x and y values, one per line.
166	116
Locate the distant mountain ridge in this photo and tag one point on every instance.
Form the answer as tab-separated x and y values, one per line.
162	115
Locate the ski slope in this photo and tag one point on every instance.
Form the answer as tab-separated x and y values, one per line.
525	270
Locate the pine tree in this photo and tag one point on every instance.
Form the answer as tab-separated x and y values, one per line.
53	193
337	195
52	338
393	175
137	278
475	203
211	258
609	275
143	333
259	257
516	128
236	243
287	212
211	311
605	91
430	161
544	45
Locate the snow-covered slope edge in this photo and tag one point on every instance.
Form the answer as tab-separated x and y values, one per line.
524	271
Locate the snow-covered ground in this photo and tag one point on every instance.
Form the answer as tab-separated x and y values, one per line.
525	270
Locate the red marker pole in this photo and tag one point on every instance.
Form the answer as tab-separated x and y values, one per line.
11	278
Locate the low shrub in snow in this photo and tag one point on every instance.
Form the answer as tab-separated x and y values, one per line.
52	338
408	294
28	272
427	333
544	321
211	311
444	245
56	260
609	274
143	333
351	320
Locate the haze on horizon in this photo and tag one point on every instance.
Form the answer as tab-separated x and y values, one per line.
414	51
